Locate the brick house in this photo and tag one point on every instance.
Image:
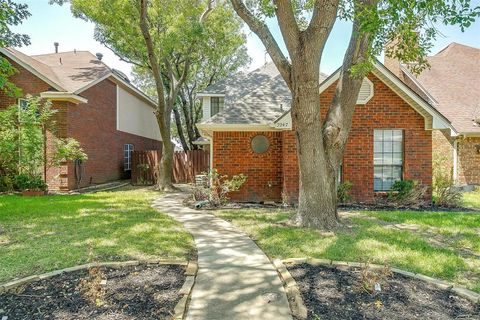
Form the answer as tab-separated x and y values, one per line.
452	85
96	105
247	121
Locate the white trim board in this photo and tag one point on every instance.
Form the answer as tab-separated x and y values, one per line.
31	69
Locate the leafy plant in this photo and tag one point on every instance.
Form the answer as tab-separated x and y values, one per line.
220	187
6	183
23	132
445	194
68	149
407	193
26	182
343	192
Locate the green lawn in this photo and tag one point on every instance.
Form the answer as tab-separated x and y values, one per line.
472	199
39	234
440	244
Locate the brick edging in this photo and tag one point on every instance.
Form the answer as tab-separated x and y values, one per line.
460	291
191	269
297	306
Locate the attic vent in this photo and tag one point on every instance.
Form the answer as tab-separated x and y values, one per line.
366	92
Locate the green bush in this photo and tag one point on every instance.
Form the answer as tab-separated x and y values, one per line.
343	192
23	182
6	183
407	193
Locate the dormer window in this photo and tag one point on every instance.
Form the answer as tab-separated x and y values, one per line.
216	105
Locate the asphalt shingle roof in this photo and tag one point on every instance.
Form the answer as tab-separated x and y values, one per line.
70	71
258	97
454	81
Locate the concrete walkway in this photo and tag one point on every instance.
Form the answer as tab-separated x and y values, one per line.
235	279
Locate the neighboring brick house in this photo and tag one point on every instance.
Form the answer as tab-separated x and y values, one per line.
96	105
248	123
452	84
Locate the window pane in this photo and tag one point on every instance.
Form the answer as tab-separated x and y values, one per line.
397	146
377	147
377	184
397	135
397	158
377	135
387	184
215	105
387	135
397	173
387	147
378	158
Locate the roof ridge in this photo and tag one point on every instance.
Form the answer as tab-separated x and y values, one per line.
53	53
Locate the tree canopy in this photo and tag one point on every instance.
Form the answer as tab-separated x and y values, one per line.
11	14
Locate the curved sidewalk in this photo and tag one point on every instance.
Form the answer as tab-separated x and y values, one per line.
235	279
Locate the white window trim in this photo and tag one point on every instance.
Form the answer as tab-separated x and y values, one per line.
403	157
19	102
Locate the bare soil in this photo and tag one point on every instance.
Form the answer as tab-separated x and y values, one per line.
136	292
330	292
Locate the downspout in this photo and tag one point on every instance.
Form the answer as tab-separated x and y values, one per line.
455	161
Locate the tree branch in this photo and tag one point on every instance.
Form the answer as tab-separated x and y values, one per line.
262	31
340	114
288	25
207	11
154	65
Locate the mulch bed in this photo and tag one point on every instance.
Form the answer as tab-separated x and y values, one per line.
338	293
134	292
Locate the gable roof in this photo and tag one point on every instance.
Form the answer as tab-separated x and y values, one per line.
269	102
70	72
256	98
453	80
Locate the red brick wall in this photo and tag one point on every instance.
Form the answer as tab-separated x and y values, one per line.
468	161
232	155
93	124
384	111
24	80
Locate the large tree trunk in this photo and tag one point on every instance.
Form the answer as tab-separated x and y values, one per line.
318	194
165	168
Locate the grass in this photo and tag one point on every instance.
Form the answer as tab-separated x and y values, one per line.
472	199
439	244
40	234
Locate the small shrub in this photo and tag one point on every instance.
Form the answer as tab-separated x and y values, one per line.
220	186
23	182
445	194
407	193
6	183
343	192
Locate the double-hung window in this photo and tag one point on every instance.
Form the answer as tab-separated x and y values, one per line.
127	157
388	158
216	105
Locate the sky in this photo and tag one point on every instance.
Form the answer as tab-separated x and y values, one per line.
53	23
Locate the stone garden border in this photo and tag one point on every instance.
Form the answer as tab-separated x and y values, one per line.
191	269
462	292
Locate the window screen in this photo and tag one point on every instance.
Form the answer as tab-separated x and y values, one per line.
216	104
127	156
388	158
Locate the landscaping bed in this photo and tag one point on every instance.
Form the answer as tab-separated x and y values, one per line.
133	292
330	292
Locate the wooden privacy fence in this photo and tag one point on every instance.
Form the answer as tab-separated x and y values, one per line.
186	165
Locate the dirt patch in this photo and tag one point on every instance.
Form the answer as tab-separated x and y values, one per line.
136	292
332	293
